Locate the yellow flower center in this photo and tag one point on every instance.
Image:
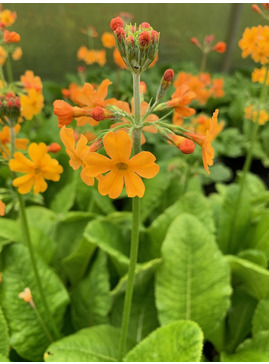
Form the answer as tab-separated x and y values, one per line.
122	166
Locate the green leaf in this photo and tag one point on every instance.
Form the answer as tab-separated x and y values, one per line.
155	188
233	218
27	335
4	339
109	237
248	274
9	231
143	317
193	203
180	341
239	318
255	256
192	283
64	199
260	320
260	237
95	344
251	350
3	359
91	301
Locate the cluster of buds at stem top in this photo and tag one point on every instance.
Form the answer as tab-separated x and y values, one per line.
66	113
138	45
165	83
11	37
263	12
207	45
10	106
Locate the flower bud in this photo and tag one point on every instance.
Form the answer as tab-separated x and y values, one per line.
144	39
195	41
185	145
96	145
220	47
266	6
53	148
120	33
98	114
209	38
165	83
116	23
154	36
2	26
256	9
168	75
143	87
145	25
81	69
130	40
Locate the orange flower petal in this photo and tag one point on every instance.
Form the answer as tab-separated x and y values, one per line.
67	137
111	184
37	151
118	146
20	163
134	185
89	181
40	184
24	183
97	164
101	93
143	164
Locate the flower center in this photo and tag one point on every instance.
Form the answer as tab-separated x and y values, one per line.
122	166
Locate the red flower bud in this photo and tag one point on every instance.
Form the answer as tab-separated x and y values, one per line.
195	41
130	40
53	148
120	33
97	113
209	38
145	25
187	146
96	145
116	23
154	36
17	103
220	47
2	26
256	9
10	104
9	95
144	39
168	75
266	6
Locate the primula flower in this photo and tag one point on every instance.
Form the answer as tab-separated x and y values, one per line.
77	153
11	37
179	101
7	17
40	167
261	116
255	43
202	124
120	167
2	208
66	112
20	143
108	40
258	75
31	104
205	141
220	47
17	54
30	81
26	295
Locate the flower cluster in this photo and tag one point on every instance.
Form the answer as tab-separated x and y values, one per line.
258	75
256	115
32	102
255	43
207	45
90	56
138	45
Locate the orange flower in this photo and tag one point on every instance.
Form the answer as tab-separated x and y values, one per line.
121	170
252	114
82	53
7	17
20	143
17	54
179	101
255	43
66	113
202	124
108	40
205	141
11	37
30	81
3	56
220	47
76	153
31	104
90	97
26	295
258	75
2	208
118	60
40	167
100	57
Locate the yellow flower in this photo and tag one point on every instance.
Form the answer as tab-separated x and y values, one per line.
31	104
258	75
17	54
40	167
3	56
255	43
7	17
252	114
120	167
108	40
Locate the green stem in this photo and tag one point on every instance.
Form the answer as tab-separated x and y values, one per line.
203	63
28	241
135	225
9	69
50	338
2	77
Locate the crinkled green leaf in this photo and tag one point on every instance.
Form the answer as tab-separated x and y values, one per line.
193	281
260	320
4	339
95	344
90	299
255	256
180	341
27	335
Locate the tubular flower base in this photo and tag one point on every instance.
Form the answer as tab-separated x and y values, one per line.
40	167
121	168
78	153
205	141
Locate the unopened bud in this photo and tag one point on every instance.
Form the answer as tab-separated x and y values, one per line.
256	9
195	41
154	36
168	75
144	39
120	33
266	6
98	114
81	69
220	47
209	38
130	40
143	87
53	148
145	25
96	145
116	23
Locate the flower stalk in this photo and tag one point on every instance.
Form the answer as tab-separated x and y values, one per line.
135	224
